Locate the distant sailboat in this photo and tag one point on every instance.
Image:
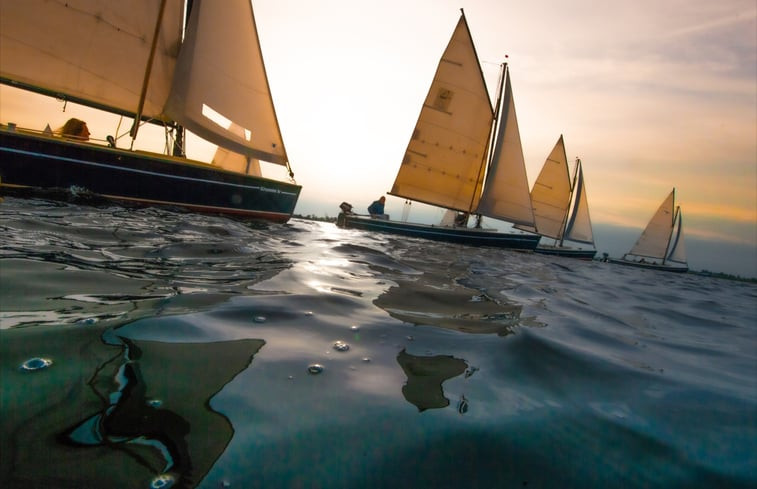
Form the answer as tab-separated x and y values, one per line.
555	218
661	245
136	59
451	163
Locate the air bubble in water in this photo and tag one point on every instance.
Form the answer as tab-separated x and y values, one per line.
315	368
354	328
341	346
36	363
162	481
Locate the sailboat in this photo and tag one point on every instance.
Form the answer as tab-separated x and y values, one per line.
450	161
554	217
139	60
661	245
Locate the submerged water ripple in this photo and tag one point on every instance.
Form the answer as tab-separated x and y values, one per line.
198	351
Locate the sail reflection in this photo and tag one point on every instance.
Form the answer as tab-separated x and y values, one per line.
449	306
425	376
124	410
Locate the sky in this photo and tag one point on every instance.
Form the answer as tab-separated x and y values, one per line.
651	95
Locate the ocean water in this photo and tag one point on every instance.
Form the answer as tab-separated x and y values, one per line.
151	348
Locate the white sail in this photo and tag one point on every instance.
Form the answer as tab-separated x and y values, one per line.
443	161
653	241
220	85
505	195
677	248
550	195
579	227
93	50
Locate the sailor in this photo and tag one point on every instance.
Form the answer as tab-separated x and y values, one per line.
376	209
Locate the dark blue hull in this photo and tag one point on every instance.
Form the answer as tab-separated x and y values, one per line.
30	162
649	266
566	252
466	236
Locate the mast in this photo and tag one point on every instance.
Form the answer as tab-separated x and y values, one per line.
148	69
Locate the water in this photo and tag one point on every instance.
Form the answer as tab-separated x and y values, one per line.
179	350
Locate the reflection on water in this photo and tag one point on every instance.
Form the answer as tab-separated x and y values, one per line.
126	338
425	376
136	409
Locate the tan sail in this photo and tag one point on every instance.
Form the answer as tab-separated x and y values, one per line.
505	194
95	60
653	241
220	83
550	196
579	226
443	161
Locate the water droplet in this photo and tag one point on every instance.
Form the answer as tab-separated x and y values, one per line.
154	403
341	346
290	377
366	359
315	368
355	328
162	481
259	319
308	313
36	363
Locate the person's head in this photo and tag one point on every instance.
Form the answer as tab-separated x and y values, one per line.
382	199
75	129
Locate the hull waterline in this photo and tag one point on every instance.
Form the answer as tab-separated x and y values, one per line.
466	236
30	163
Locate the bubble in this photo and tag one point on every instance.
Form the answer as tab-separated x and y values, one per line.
341	346
259	319
308	313
354	328
162	481
36	363
366	359
315	368
154	403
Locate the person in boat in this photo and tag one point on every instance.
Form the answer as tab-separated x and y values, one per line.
461	219
376	209
75	129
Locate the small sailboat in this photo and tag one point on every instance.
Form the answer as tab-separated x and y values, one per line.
554	216
139	60
661	245
451	163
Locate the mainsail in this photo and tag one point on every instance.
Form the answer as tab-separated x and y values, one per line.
443	161
102	55
653	242
550	195
213	83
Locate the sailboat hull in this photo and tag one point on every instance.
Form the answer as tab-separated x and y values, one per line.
650	266
33	164
466	236
566	252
